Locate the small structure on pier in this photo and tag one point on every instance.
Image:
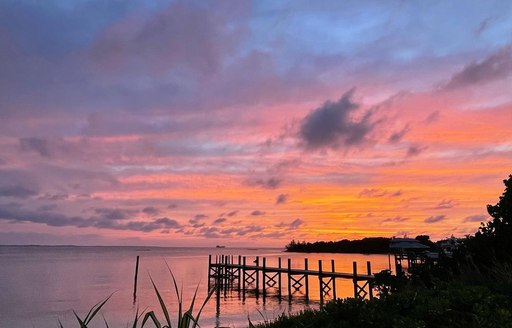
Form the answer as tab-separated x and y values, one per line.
233	273
407	250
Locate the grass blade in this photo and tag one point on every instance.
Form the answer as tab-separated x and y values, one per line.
162	304
105	320
82	324
60	324
90	316
151	315
210	293
178	295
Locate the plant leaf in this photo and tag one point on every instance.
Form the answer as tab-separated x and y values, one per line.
82	324
178	295
162	304
105	320
90	316
210	293
151	315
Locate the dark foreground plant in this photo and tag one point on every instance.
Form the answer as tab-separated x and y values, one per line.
185	319
450	305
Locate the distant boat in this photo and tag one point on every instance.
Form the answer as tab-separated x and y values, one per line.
220	246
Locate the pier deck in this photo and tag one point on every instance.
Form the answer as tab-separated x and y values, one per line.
227	272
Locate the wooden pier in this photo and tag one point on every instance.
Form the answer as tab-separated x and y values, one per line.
230	273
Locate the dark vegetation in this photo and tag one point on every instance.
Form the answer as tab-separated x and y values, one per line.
472	289
375	245
378	245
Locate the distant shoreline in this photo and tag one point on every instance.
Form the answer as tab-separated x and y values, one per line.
371	245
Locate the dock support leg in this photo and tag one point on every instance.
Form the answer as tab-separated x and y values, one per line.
289	281
333	269
370	282
320	280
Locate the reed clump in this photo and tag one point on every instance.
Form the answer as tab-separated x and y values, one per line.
184	318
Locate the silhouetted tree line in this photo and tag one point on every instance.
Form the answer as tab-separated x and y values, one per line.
371	245
491	245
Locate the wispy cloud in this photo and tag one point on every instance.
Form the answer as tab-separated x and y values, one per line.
281	199
434	219
497	66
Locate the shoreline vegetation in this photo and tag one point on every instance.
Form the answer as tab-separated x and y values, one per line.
370	245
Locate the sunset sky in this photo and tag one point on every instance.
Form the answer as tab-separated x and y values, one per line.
197	123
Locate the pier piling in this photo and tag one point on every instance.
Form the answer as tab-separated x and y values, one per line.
226	269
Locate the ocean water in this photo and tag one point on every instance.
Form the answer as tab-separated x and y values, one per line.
40	285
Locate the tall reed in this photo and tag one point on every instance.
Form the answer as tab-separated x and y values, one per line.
185	319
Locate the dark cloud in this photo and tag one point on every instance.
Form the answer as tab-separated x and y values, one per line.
211	232
257	213
269	183
398	136
49	207
164	42
197	220
114	214
16	191
53	197
281	199
484	25
219	221
232	213
38	145
476	218
273	234
295	224
114	219
446	203
495	67
377	193
415	150
151	211
17	184
396	219
158	224
432	117
245	230
332	125
434	219
35	238
14	213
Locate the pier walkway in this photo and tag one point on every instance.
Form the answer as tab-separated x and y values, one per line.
227	272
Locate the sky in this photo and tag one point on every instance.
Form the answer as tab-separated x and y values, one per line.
243	123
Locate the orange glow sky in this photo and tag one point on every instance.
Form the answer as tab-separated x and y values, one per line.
179	123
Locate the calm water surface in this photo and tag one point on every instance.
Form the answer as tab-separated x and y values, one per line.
41	284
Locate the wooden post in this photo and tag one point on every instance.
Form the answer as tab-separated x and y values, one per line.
209	270
306	278
243	282
225	281
289	280
321	282
257	275
370	282
333	267
239	271
279	281
135	282
354	279
217	283
263	283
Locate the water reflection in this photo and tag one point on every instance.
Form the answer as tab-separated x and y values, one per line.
42	284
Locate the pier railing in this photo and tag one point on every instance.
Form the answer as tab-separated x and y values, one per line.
227	272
